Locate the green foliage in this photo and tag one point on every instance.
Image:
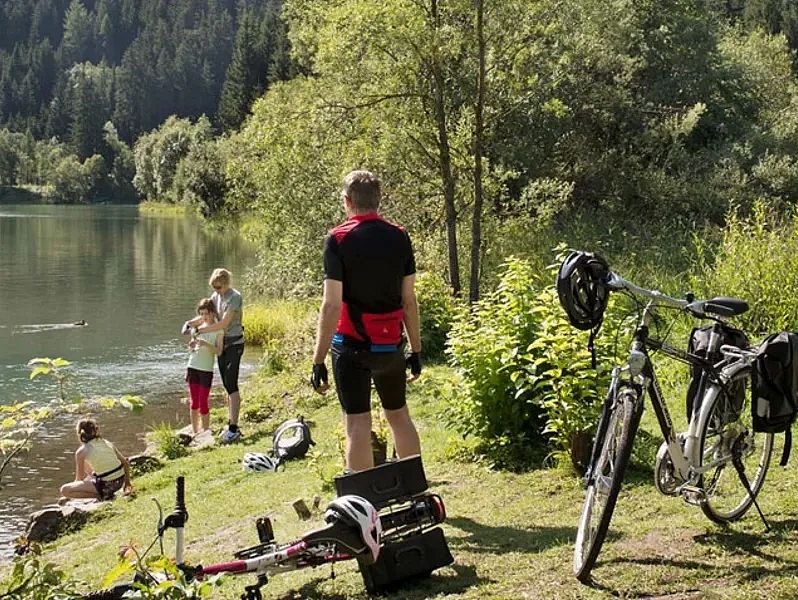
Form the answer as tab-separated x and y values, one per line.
324	467
277	320
167	442
200	179
54	367
757	260
529	385
75	182
172	582
158	153
438	310
33	578
20	421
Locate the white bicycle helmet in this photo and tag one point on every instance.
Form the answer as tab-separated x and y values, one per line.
256	462
360	514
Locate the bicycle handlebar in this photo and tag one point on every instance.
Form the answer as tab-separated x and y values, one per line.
722	306
180	494
616	282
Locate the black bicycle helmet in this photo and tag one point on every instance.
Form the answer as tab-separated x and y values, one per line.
582	289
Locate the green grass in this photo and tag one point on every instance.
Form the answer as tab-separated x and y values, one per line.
511	534
163	209
281	321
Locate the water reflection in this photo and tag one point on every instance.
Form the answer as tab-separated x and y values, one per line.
133	279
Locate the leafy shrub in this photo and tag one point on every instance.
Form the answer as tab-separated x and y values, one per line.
177	585
757	260
283	328
31	578
274	320
529	384
438	309
167	442
200	180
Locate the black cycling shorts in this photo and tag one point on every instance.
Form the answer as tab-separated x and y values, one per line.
354	369
229	362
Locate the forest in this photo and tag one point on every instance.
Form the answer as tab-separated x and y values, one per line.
488	121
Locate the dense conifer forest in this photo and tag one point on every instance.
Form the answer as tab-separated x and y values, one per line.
488	120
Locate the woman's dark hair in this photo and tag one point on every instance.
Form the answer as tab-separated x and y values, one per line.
87	430
207	304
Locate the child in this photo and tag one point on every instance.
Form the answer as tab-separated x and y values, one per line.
100	470
204	348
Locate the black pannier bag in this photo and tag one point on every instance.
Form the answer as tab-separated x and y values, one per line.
775	387
698	345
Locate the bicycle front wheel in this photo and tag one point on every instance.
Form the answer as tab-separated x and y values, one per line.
727	434
605	481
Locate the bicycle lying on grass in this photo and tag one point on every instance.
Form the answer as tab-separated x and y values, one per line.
720	463
352	532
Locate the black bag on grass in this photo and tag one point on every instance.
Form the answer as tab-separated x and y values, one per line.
698	345
292	440
775	387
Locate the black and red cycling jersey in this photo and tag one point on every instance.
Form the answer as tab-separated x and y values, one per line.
371	257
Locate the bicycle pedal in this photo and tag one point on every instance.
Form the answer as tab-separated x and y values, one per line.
693	495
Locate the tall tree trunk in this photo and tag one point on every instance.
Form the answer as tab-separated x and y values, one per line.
476	221
445	164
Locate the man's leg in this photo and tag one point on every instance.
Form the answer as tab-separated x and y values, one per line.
391	383
353	386
358	441
405	436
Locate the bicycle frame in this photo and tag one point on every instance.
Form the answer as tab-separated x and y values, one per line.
270	558
643	376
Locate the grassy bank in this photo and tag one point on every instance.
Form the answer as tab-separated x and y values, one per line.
511	534
163	209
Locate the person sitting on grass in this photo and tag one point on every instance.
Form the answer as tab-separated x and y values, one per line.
100	469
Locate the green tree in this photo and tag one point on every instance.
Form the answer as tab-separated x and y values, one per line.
158	153
89	96
774	16
245	78
200	179
78	41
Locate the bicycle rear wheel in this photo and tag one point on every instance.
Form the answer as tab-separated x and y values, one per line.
727	431
605	481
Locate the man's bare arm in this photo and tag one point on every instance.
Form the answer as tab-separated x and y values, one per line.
410	309
328	318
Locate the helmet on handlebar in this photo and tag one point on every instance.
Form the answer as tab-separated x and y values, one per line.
581	286
360	514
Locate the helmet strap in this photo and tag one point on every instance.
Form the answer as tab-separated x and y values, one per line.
592	346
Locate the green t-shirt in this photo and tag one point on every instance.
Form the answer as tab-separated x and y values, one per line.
201	358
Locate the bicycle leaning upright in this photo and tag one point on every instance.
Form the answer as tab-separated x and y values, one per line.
720	463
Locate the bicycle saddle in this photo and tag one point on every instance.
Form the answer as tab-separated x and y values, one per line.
722	306
338	533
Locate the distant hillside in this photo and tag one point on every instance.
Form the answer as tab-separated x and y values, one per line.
66	68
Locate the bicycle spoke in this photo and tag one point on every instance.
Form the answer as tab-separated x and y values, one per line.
728	430
605	483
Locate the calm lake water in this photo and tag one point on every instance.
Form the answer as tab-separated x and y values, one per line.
133	279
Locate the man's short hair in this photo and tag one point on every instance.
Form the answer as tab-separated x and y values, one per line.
364	189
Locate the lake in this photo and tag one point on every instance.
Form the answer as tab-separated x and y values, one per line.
133	279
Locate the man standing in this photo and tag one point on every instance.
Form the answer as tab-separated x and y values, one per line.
369	293
229	306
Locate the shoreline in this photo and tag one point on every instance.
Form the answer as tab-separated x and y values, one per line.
33	480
